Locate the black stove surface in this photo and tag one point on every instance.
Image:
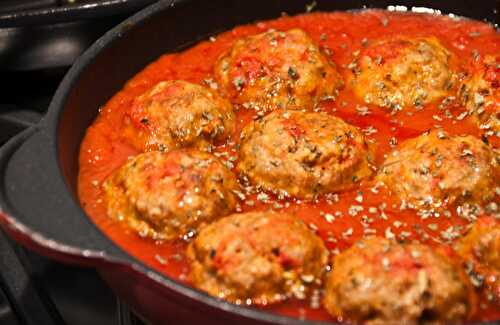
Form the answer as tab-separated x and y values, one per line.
33	289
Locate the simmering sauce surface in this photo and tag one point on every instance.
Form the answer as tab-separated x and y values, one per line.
340	219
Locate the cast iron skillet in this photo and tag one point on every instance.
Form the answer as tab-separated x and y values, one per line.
38	168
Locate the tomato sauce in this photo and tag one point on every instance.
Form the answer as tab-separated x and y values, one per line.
339	219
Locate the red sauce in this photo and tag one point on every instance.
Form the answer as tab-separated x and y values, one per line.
102	151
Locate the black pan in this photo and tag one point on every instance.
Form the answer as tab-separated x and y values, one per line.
43	34
38	168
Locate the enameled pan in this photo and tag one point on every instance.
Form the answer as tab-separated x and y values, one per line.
38	168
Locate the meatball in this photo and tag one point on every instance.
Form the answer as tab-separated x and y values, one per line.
168	195
293	153
481	95
377	281
277	70
178	114
435	170
398	73
480	249
257	258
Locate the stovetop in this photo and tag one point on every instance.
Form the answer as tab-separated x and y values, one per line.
34	56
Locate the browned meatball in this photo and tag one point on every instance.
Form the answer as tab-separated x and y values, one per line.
277	70
480	249
435	170
403	72
257	258
303	154
177	114
166	195
481	94
377	281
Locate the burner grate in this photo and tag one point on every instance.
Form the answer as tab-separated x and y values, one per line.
18	5
35	290
127	317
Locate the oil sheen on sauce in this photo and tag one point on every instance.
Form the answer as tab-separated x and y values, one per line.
339	219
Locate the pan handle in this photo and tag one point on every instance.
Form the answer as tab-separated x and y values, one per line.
37	210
